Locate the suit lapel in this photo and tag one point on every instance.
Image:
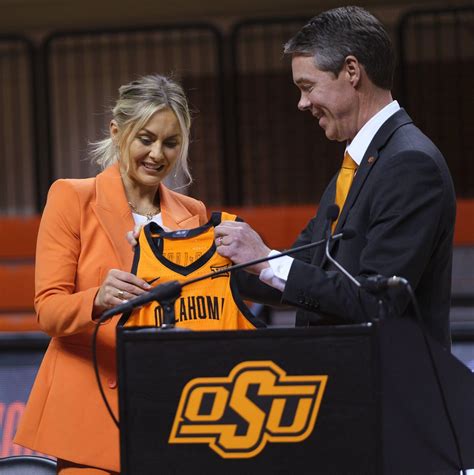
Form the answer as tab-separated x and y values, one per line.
113	213
174	213
370	159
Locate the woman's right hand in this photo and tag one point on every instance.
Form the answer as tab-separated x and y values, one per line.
118	287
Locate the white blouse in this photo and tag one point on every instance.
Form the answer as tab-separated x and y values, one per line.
143	220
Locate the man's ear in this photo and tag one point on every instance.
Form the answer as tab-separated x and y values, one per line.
113	128
353	70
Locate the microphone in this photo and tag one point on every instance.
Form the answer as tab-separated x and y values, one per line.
171	290
379	283
345	234
162	292
332	213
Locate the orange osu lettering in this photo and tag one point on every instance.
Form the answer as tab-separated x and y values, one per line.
257	403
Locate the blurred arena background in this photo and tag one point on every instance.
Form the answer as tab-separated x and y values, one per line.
62	61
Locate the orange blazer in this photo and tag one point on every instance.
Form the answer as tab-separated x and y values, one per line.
81	237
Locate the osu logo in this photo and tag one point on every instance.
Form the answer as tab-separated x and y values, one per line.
238	414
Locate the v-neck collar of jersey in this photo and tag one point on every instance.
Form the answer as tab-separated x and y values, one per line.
154	228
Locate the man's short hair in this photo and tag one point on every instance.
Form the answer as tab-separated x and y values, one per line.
335	34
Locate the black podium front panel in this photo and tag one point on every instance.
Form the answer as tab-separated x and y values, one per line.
418	437
271	401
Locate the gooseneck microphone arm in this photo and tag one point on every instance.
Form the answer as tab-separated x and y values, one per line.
374	284
344	234
333	261
331	215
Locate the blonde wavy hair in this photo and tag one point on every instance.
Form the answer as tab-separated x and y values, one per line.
137	103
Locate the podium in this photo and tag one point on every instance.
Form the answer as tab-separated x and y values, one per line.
350	399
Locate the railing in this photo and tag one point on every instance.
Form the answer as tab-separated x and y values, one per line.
436	50
18	141
251	146
84	70
277	145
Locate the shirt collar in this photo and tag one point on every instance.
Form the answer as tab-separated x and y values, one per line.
361	141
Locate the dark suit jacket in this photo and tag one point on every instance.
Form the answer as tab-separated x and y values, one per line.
402	207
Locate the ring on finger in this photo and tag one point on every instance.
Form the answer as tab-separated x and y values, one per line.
120	295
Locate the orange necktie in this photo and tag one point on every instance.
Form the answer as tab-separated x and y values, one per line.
344	182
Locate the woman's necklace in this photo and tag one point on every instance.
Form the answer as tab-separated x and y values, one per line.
148	214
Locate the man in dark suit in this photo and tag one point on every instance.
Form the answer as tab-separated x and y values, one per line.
394	189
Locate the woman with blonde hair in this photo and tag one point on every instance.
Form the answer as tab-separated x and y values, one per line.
82	265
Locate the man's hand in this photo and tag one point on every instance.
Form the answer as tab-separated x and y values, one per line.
132	236
240	243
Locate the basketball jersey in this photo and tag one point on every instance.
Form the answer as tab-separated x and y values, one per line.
211	304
